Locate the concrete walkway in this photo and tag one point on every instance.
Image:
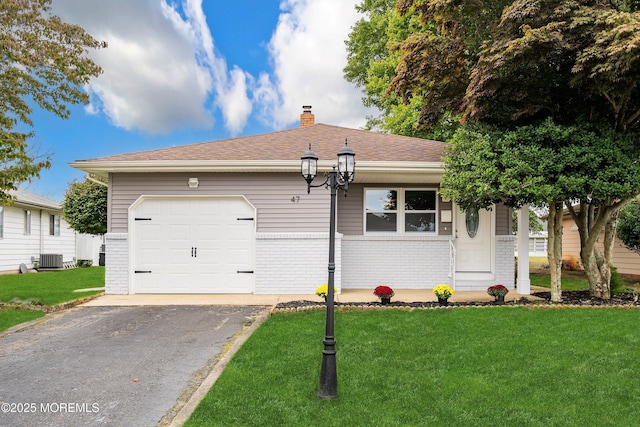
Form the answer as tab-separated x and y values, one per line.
351	295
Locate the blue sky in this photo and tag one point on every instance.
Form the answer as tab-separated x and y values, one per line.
185	71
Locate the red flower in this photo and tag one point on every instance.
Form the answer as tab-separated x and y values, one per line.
383	292
497	290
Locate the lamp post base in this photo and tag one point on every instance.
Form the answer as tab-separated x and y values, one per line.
328	375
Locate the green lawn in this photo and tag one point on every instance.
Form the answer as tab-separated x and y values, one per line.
49	288
568	283
9	318
495	366
539	276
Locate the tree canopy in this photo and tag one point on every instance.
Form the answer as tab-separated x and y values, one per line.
43	61
519	62
85	206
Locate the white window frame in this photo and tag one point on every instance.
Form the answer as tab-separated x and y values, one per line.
27	222
401	212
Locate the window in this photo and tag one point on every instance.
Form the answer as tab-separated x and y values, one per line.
27	222
1	222
382	210
54	225
400	210
420	211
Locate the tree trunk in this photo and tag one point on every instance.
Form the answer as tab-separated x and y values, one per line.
592	221
599	274
599	269
554	249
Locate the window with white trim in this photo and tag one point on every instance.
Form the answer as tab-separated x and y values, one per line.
27	222
54	225
400	210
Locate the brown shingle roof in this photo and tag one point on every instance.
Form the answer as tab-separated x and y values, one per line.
325	140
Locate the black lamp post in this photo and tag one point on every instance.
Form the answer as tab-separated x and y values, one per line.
335	179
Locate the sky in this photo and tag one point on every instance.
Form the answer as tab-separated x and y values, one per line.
178	72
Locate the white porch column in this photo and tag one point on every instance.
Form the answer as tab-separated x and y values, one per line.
524	284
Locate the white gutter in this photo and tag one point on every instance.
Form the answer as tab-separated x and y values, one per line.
103	168
97	181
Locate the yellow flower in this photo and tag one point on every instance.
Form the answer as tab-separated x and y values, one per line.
443	291
323	290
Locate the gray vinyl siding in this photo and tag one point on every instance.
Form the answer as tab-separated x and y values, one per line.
281	199
444	228
503	220
350	211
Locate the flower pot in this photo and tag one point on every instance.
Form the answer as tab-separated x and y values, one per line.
500	298
385	301
443	301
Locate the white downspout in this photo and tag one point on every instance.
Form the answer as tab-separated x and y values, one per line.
41	235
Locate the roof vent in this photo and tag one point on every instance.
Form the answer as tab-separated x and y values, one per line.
306	118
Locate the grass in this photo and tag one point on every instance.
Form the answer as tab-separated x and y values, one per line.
51	287
9	318
539	276
571	280
567	283
497	366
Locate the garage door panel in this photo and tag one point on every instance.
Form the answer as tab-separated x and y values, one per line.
177	233
194	246
207	233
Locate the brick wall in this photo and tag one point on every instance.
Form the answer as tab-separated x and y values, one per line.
505	261
116	263
409	262
294	263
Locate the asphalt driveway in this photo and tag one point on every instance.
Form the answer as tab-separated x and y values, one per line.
112	366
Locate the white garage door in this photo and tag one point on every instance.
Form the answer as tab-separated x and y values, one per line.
204	245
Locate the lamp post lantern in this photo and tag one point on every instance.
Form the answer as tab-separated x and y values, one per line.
333	180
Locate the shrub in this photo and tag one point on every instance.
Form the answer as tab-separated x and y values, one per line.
83	263
617	284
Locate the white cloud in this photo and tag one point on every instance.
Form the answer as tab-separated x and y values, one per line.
162	71
233	101
309	55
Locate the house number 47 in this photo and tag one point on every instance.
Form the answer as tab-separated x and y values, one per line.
295	199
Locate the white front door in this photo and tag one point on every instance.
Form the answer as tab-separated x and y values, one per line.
193	245
474	243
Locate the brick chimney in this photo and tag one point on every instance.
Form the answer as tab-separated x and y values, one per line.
306	118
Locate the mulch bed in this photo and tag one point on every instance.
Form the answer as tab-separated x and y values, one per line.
569	298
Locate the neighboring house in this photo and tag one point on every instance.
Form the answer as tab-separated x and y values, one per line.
626	261
30	227
234	216
538	240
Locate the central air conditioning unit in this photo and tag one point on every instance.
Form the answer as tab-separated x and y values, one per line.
51	261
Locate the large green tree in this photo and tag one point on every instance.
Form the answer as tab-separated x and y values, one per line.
85	206
551	162
43	62
522	63
372	58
